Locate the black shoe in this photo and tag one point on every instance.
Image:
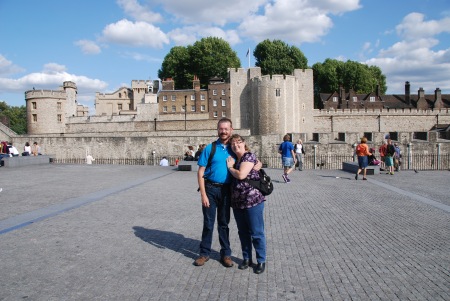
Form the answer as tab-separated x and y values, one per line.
260	267
245	264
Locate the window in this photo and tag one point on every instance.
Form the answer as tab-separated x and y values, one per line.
34	105
341	137
355	99
215	113
278	92
214	103
193	108
224	103
315	137
34	117
119	106
58	105
202	96
303	120
214	92
193	97
165	109
368	136
164	97
59	117
444	135
224	114
420	136
120	95
223	91
183	108
335	99
393	136
303	106
174	108
202	108
174	97
372	99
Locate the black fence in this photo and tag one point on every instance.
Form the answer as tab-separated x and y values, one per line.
310	161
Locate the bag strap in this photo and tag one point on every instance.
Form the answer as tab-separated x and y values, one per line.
211	155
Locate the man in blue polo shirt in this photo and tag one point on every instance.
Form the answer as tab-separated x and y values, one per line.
214	183
286	150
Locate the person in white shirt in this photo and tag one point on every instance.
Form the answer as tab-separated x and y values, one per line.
164	162
299	151
89	159
13	150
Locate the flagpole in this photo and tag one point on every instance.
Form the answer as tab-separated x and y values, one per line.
248	54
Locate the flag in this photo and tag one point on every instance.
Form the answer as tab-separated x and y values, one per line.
248	52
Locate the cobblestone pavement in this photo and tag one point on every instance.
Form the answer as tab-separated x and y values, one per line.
80	232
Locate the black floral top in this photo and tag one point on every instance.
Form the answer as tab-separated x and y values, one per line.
243	194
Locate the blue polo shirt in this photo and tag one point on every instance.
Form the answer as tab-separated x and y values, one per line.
218	171
286	148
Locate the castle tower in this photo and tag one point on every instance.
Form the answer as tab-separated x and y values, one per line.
48	110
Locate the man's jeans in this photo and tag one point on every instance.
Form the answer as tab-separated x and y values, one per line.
250	223
219	199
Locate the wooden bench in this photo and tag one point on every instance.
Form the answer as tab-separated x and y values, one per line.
353	168
187	166
26	160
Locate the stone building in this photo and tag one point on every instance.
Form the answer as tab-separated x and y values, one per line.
152	117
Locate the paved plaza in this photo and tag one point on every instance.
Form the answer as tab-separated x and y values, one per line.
116	232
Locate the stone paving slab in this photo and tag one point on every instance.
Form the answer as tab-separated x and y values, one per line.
135	231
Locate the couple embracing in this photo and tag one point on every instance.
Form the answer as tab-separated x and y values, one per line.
222	183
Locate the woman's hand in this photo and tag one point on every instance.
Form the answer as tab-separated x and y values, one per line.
230	162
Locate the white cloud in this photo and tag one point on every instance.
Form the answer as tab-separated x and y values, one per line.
211	12
414	59
53	75
88	47
414	27
135	34
180	36
7	67
295	21
139	12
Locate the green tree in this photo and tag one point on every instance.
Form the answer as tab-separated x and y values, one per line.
207	58
17	117
212	57
331	74
177	65
277	57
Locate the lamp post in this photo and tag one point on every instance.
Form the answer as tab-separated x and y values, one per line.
185	111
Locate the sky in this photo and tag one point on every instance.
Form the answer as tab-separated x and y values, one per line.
103	45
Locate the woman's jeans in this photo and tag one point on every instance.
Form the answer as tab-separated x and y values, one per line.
299	161
250	224
219	200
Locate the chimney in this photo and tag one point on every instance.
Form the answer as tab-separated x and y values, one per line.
196	83
378	91
421	101
168	84
438	99
407	93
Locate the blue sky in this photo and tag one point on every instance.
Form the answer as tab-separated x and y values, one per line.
102	45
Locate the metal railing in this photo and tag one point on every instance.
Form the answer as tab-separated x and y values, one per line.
310	161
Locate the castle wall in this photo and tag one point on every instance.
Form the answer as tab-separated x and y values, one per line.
382	120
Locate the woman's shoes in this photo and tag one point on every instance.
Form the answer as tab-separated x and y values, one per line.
245	264
260	267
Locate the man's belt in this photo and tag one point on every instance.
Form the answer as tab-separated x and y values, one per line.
215	183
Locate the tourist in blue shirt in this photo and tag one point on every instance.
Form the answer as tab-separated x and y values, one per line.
286	150
214	184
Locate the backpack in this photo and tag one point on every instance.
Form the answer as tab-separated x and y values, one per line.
390	150
264	184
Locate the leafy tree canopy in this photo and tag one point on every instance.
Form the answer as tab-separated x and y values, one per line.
277	57
331	74
17	117
207	58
